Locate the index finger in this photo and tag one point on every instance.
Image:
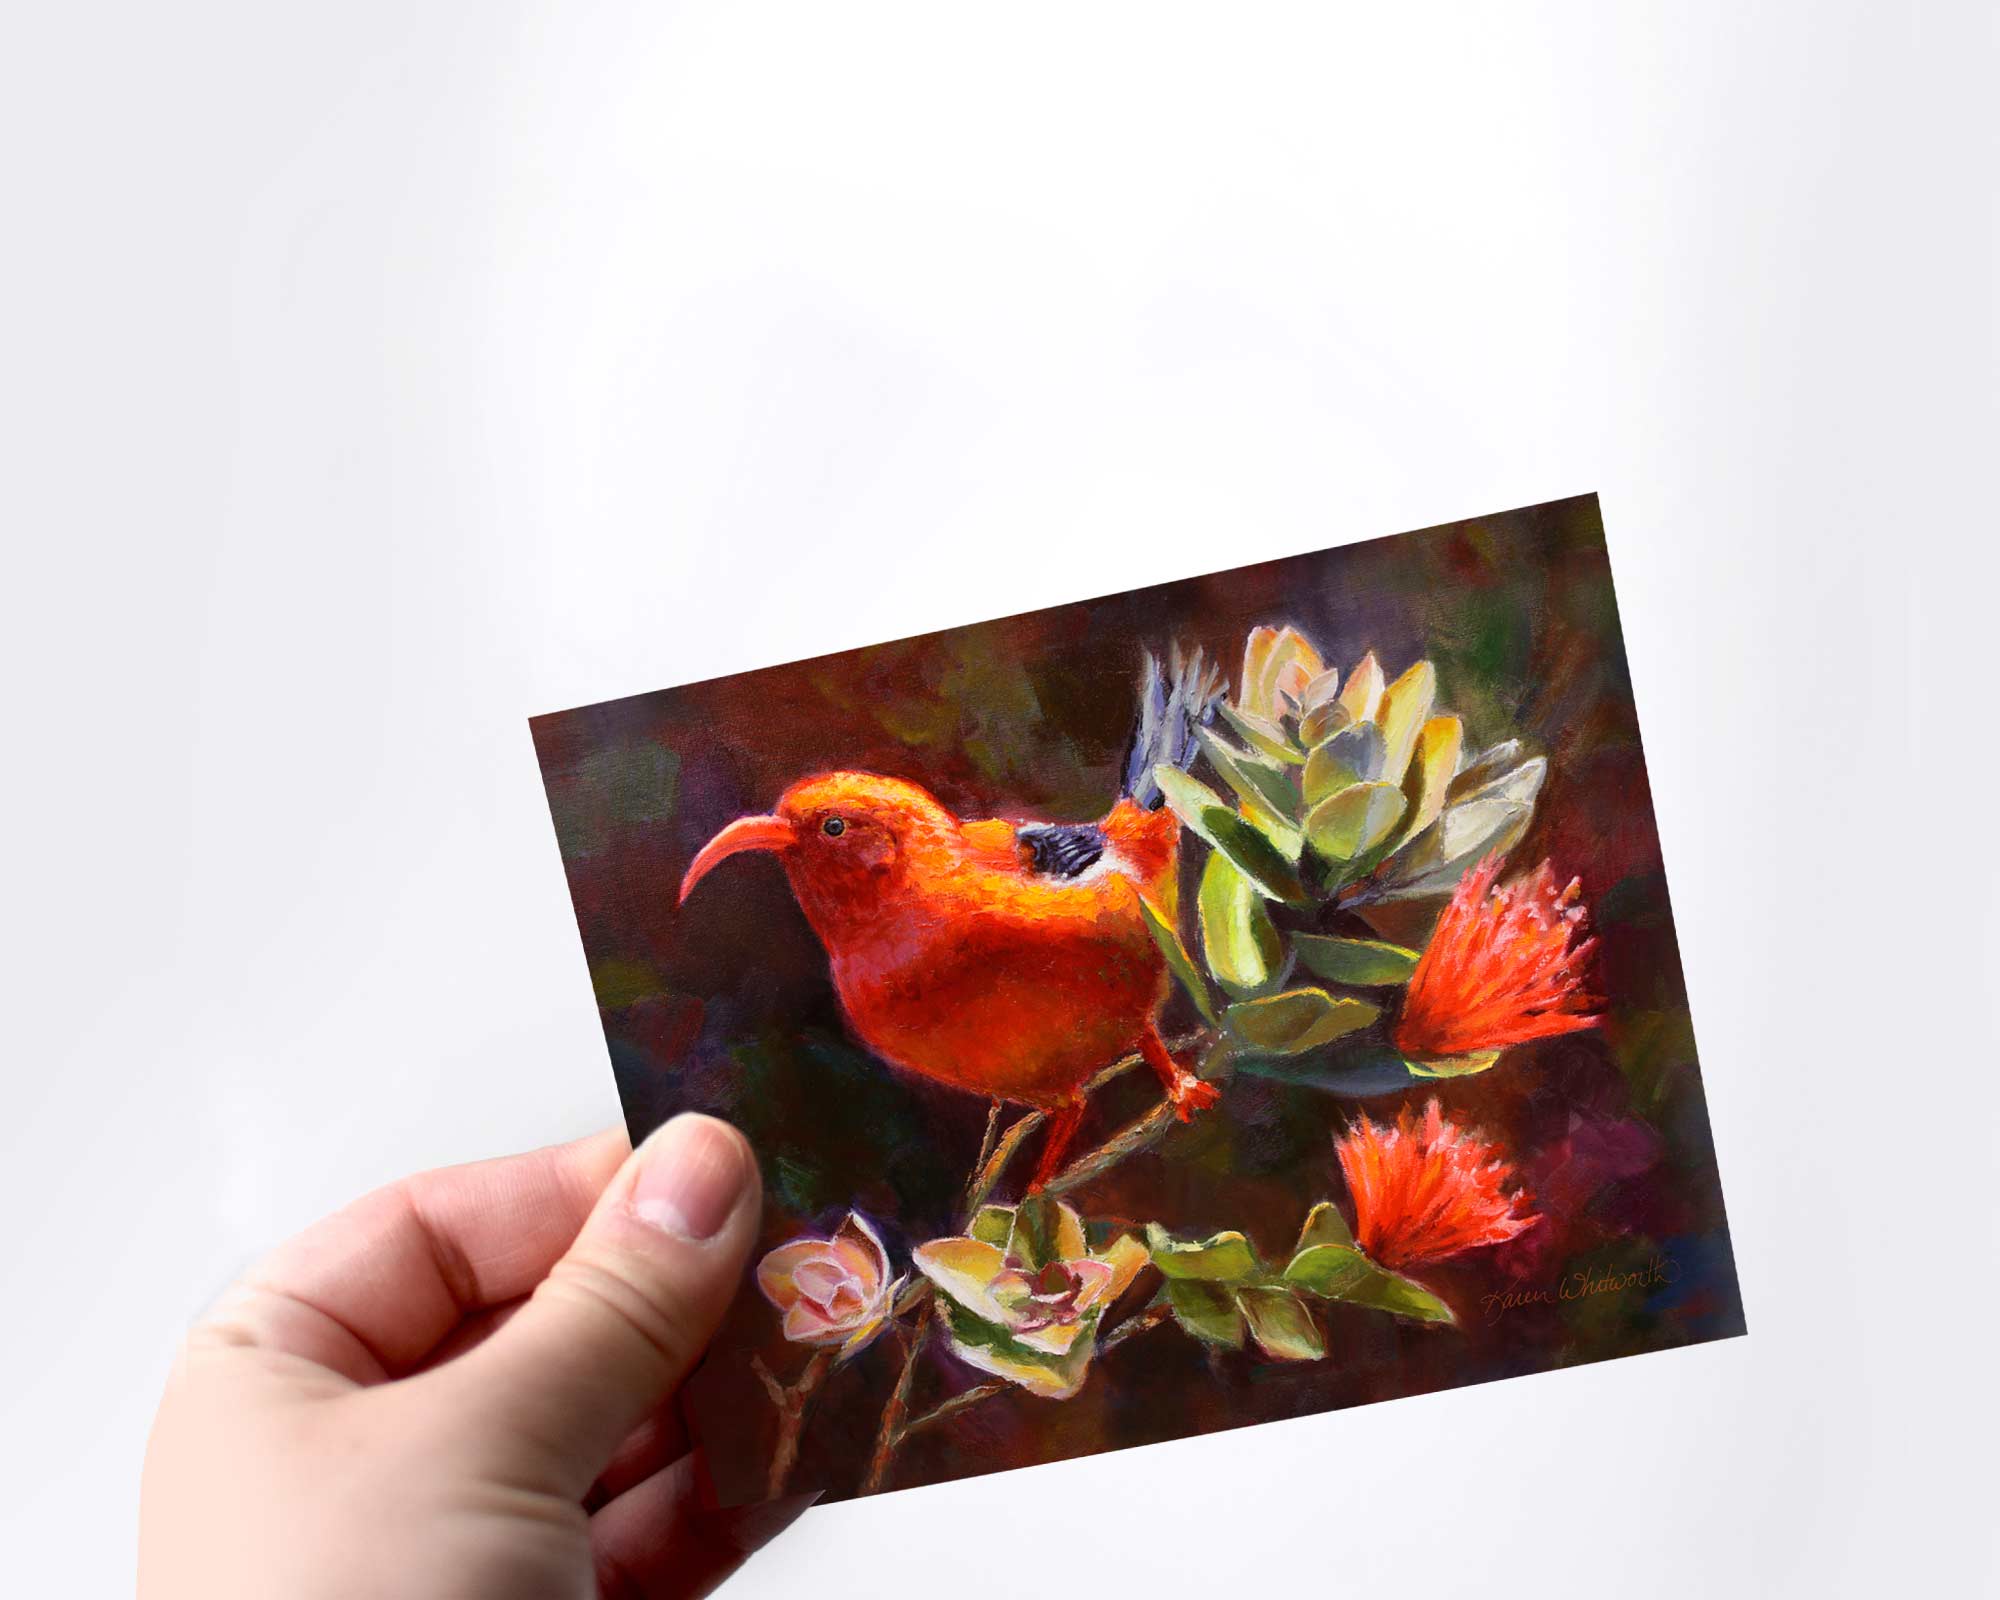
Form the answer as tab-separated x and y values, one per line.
371	1290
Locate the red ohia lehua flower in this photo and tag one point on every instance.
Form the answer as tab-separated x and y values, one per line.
1426	1189
1500	969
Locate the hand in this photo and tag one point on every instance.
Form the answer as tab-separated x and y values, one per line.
463	1386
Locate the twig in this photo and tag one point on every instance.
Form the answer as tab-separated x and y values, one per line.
1128	1141
1138	1322
994	1159
985	1151
956	1404
996	1162
890	1435
791	1406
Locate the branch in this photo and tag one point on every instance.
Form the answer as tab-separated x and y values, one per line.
957	1403
996	1162
772	1387
890	1436
1129	1140
1138	1322
985	1152
791	1407
995	1159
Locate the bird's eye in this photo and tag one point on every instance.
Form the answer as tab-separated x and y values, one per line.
833	827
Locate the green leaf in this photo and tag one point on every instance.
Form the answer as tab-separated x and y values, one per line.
1464	835
1452	1066
1263	736
1289	841
1325	1225
1203	811
1355	820
1362	962
1329	1270
1207	1311
1484	767
1519	785
1277	823
993	1225
1033	1240
1321	722
1406	707
1429	776
1358	1067
1224	1257
1340	1272
1257	781
1321	691
993	1349
1296	1021
1241	945
1474	828
1386	1291
1190	798
1179	962
1362	693
1264	863
1281	1325
1353	755
1271	656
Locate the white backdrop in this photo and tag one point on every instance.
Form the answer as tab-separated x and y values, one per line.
376	375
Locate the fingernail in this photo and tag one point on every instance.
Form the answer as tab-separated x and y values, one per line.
691	1174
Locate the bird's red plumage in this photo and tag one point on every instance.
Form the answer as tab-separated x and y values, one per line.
954	958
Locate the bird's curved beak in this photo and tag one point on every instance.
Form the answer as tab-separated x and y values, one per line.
746	833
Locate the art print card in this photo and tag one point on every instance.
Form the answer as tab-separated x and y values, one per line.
1238	998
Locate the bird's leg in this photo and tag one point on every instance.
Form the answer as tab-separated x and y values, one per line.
1185	1092
1063	1122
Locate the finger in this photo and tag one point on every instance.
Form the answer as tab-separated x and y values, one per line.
657	1541
372	1289
657	1442
620	1319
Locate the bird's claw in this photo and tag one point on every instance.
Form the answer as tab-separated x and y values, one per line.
1187	1094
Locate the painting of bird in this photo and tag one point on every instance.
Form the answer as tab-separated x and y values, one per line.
1009	958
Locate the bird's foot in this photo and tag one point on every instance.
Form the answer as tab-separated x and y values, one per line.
1063	1122
1187	1094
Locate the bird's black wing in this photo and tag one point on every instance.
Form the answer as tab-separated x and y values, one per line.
1174	700
1061	850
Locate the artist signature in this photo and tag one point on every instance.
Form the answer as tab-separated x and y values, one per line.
1581	1286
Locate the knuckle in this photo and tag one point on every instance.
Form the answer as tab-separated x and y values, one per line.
454	1266
652	1318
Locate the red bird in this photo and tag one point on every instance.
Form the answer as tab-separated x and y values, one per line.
1007	958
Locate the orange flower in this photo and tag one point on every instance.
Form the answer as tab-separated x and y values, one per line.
1500	969
1426	1190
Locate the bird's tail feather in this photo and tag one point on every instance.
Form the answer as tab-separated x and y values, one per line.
1174	700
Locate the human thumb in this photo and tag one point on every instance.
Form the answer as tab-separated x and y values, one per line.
622	1318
